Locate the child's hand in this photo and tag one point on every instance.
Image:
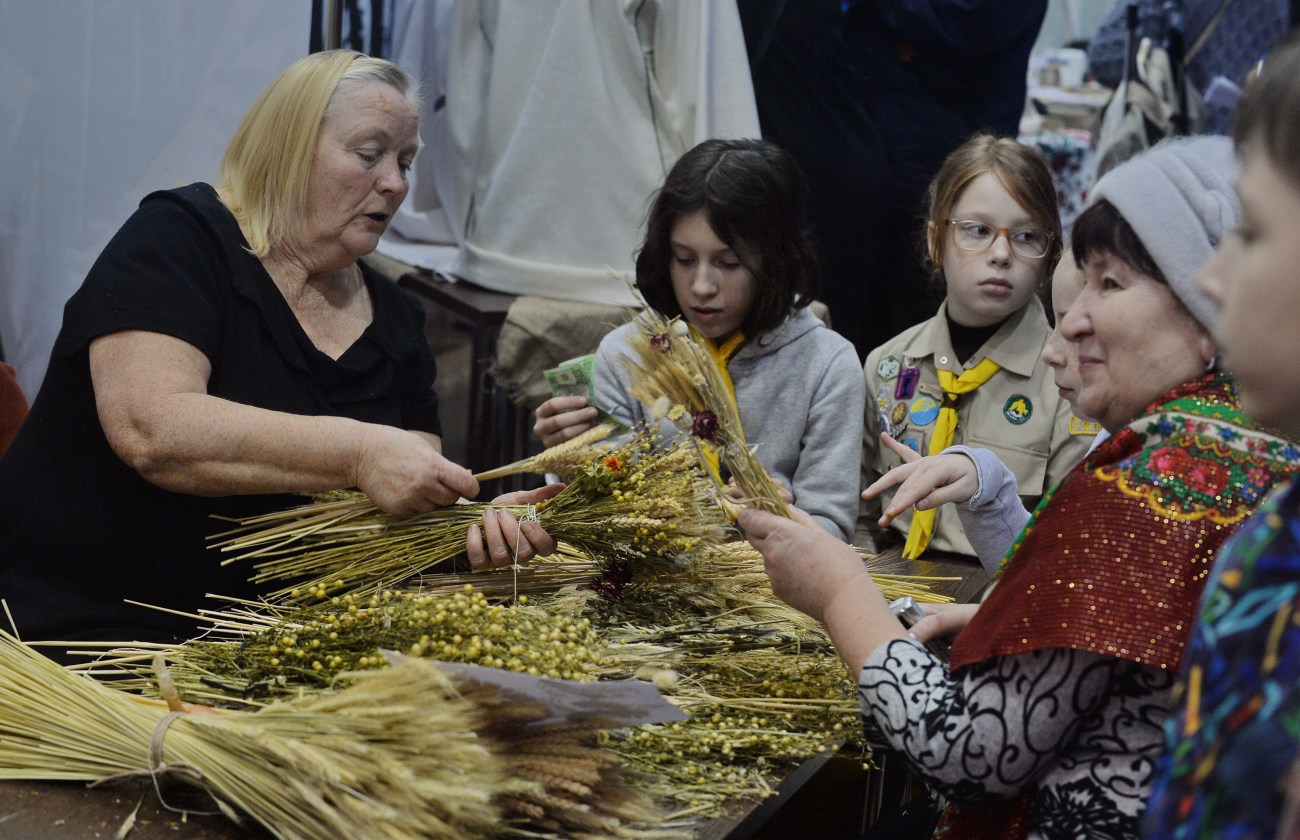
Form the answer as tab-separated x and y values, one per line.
503	540
558	421
925	482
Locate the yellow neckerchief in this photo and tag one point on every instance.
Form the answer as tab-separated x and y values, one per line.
721	356
918	536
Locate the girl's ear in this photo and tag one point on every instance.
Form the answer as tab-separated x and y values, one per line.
929	239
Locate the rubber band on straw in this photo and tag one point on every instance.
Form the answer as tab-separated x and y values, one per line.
158	767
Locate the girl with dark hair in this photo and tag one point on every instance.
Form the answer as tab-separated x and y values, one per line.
728	249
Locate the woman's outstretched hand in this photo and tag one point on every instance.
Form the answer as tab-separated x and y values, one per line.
818	574
943	621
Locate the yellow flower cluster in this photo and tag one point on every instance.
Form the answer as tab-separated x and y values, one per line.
348	633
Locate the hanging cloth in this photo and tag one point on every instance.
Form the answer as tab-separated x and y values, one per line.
721	355
918	536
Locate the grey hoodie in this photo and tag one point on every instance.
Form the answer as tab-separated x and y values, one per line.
801	395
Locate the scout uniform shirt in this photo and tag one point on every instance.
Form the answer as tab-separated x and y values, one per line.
1018	413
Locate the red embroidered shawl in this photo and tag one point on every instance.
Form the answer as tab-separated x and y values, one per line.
1114	559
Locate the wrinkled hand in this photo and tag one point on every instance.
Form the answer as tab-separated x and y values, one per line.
403	473
942	621
924	482
495	544
807	566
734	491
557	424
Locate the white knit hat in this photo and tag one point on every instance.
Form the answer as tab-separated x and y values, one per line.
1178	198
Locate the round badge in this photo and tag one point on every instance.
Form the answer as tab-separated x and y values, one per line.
1018	409
923	411
888	368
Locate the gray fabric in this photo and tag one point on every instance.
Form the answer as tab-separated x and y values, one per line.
800	391
1178	198
995	515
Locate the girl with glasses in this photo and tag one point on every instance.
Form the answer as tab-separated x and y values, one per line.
973	374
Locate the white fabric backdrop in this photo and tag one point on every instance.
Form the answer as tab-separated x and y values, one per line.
102	102
562	117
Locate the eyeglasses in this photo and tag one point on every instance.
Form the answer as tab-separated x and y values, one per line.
971	235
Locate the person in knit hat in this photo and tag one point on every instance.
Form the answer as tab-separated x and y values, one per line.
1047	720
1179	201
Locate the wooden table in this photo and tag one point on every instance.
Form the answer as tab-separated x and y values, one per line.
828	792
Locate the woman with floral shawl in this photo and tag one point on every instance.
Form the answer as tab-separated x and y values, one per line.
1047	723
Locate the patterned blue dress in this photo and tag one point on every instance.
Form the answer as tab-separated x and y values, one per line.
1235	734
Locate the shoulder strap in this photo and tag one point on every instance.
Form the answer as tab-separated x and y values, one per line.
1205	33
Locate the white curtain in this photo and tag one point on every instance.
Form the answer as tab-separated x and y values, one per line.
562	117
102	102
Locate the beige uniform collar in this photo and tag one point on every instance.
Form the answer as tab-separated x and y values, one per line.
1016	346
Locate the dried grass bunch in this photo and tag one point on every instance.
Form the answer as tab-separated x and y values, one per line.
277	652
639	504
677	378
562	459
403	752
395	753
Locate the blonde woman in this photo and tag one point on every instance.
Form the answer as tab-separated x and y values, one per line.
228	348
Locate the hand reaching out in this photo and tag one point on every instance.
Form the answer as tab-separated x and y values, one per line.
942	621
403	473
924	482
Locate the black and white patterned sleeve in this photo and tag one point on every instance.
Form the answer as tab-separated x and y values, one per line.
991	731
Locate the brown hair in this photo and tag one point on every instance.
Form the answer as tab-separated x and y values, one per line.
755	198
1268	115
1022	171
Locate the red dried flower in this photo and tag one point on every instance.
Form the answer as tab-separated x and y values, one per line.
613	464
705	425
659	342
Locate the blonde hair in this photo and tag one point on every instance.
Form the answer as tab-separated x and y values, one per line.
1021	170
265	170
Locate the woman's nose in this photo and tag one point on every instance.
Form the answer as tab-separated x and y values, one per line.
1074	323
392	179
